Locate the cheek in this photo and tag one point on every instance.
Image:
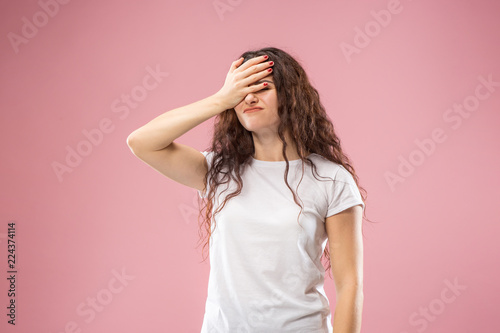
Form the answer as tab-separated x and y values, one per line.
241	121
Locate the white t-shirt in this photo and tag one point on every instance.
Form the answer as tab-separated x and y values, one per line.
265	270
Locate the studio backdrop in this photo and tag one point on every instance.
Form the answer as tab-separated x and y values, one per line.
94	240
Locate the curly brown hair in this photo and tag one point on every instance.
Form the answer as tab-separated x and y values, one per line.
301	114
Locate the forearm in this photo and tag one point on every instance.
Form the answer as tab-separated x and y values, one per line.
348	310
164	129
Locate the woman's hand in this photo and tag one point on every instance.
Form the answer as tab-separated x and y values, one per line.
239	80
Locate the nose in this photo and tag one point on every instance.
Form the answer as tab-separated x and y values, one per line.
251	98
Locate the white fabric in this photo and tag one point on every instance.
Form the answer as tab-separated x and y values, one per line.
266	275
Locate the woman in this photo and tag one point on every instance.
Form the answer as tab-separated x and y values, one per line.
277	188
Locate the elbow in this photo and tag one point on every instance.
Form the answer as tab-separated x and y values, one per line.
133	142
130	140
142	142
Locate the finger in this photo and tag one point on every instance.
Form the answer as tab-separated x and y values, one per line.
251	62
260	86
254	88
258	68
236	63
257	76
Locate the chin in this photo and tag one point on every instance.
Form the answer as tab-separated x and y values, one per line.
256	125
252	127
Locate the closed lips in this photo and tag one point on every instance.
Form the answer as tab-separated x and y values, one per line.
252	109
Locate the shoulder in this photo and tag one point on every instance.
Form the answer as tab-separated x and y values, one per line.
327	168
324	166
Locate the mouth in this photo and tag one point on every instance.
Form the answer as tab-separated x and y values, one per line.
252	109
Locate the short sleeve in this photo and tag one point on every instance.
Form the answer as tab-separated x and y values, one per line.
343	193
208	157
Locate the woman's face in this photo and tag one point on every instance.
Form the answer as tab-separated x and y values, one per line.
265	119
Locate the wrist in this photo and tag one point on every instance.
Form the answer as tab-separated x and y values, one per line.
221	102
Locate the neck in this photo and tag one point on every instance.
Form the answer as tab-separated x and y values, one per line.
268	147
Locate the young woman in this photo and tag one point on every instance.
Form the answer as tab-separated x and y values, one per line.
277	188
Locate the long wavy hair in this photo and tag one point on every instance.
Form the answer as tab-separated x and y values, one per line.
301	115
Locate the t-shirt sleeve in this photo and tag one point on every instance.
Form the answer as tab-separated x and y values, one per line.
208	157
342	193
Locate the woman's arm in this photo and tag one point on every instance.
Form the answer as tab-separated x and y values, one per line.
154	143
164	129
346	256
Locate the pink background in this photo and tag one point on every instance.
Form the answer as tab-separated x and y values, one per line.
112	214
